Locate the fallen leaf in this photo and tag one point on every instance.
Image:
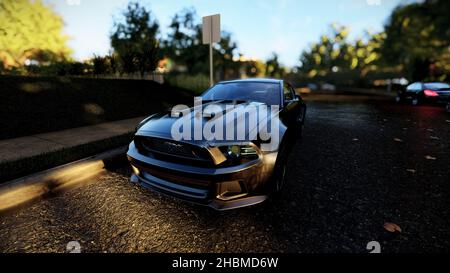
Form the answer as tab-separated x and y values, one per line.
391	227
398	140
411	170
448	120
428	157
434	138
430	130
355	139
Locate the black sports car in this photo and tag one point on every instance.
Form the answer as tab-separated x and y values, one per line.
238	170
419	93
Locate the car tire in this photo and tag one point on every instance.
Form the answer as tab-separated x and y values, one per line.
398	98
279	173
415	101
448	107
299	128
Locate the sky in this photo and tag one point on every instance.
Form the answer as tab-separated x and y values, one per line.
259	27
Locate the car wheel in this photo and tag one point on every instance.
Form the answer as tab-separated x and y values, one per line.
299	128
398	98
415	101
448	107
279	175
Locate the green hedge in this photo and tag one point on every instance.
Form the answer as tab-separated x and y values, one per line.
31	105
197	84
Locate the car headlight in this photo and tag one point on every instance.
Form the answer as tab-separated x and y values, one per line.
234	151
239	154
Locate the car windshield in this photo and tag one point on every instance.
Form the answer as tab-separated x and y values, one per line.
268	93
437	86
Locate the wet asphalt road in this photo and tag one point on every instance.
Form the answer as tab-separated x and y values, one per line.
362	162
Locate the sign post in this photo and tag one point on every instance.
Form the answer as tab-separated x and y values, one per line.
211	34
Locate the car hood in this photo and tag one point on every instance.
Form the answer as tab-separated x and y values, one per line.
160	125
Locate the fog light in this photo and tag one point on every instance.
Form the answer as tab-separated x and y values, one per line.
135	170
230	190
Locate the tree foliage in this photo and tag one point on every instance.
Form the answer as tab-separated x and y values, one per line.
254	68
415	43
418	38
30	30
104	65
184	46
135	40
335	53
184	43
274	68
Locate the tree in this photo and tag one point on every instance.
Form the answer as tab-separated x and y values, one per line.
254	68
329	54
104	65
184	46
274	68
418	39
30	30
184	43
364	54
224	57
135	40
334	53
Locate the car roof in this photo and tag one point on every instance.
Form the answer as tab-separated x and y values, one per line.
429	83
262	80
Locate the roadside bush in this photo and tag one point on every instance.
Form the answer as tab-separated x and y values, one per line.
197	84
72	69
59	69
104	65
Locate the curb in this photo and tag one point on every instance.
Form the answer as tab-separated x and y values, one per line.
15	169
26	190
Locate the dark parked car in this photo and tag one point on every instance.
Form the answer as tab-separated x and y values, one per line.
418	93
220	174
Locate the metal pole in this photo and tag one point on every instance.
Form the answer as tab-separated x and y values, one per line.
211	72
211	63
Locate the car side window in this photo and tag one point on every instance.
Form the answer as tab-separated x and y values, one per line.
414	87
287	93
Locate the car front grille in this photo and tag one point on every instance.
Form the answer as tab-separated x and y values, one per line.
173	151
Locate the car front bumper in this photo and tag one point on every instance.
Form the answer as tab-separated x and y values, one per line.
218	188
